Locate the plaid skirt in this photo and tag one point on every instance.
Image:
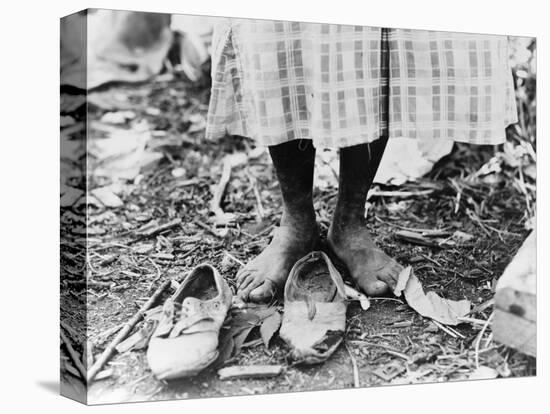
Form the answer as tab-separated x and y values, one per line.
337	85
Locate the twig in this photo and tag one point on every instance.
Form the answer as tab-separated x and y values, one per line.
453	333
471	320
188	252
156	230
240	262
476	220
356	381
431	260
205	227
388	349
219	190
480	336
73	355
400	194
157	277
467	353
390	299
254	184
102	337
108	352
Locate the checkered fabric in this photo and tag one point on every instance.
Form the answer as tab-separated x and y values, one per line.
339	86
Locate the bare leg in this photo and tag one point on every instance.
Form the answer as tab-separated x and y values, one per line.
348	236
265	275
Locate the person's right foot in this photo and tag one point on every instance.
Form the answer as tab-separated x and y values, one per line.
373	270
263	277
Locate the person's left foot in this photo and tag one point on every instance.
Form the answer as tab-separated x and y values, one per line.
372	269
265	276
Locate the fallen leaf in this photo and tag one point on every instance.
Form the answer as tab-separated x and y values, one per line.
227	345
70	196
240	338
461	236
261	311
483	372
402	280
431	305
66	121
144	248
107	197
269	327
119	117
178	172
163	256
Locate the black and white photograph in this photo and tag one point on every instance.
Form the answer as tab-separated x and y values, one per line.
254	206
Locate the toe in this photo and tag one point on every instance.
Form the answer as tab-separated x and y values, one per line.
263	293
375	288
390	275
244	275
247	279
240	276
244	292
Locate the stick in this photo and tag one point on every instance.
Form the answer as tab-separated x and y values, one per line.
188	252
102	337
205	227
156	230
217	194
157	277
445	329
108	352
73	355
356	382
240	262
253	182
250	371
400	194
480	336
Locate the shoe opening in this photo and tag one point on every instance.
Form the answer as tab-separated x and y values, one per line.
202	284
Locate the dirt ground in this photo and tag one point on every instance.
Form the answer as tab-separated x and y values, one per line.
390	343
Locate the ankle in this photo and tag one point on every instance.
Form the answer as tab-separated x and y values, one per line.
346	219
301	221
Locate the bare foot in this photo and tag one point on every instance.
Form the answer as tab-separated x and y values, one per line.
372	269
265	275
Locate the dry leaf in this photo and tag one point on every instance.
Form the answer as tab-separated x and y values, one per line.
402	280
107	197
70	196
269	327
240	338
227	345
432	305
119	117
483	372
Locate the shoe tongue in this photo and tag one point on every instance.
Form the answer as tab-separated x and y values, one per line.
311	308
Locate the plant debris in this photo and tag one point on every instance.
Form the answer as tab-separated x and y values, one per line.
430	304
250	371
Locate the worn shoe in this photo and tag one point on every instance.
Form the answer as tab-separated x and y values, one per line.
186	339
314	317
